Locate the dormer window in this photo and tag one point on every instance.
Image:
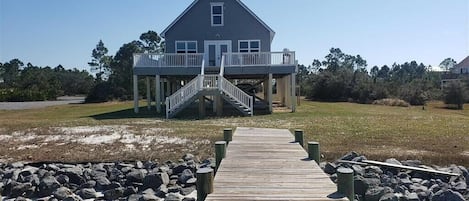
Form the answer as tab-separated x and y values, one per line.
217	14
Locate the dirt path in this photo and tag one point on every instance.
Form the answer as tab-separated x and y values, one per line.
40	104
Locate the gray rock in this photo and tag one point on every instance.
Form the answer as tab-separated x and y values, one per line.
374	193
460	186
185	175
358	170
173	197
349	156
139	165
16	165
89	184
174	189
22	199
188	199
74	174
373	170
62	193
187	190
411	197
136	175
162	191
393	161
416	187
22	189
133	197
87	193
114	194
102	183
191	181
154	180
47	186
447	195
389	197
149	197
73	198
330	168
62	179
130	190
180	168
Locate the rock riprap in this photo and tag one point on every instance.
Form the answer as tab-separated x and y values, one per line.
373	183
101	181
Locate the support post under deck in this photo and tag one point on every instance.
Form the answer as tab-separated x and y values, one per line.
148	93
158	93
135	82
269	94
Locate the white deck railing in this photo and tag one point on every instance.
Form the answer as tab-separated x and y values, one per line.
168	60
233	59
260	59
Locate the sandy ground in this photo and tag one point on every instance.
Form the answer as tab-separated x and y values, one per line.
40	104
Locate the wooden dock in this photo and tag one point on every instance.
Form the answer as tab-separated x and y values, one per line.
265	164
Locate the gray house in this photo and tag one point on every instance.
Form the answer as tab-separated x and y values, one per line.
213	49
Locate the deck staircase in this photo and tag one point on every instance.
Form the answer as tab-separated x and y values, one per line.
207	85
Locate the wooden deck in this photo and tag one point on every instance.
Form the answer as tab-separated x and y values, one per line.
265	164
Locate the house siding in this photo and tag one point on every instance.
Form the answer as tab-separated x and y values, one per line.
239	24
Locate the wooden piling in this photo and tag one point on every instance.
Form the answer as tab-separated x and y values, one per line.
299	137
204	183
228	135
220	152
345	182
314	151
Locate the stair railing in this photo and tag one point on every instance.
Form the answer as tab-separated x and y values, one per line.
237	94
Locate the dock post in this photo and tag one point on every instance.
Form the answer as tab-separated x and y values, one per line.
299	137
228	135
220	153
345	183
314	151
204	183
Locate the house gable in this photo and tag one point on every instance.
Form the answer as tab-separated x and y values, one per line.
462	67
239	23
272	32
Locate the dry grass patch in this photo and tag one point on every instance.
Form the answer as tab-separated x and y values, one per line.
110	132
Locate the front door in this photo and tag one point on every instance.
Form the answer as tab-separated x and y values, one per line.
214	50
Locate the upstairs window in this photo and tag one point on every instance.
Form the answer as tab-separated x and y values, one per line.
249	46
186	47
217	14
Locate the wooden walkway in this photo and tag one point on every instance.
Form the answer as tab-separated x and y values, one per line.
265	164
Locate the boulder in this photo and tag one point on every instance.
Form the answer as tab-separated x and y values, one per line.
185	175
114	194
136	175
47	186
154	180
447	195
330	168
87	193
62	193
374	193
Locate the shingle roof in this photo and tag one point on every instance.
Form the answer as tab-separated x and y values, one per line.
463	63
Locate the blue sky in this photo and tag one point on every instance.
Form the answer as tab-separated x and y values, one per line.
53	32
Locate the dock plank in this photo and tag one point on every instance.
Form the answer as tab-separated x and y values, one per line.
265	164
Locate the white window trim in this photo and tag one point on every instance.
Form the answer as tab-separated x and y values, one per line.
249	45
186	46
213	15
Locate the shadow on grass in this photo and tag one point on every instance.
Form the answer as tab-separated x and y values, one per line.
128	114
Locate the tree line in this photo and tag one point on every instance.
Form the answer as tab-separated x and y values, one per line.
19	82
343	77
114	73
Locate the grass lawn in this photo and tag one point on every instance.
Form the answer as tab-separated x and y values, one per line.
434	135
